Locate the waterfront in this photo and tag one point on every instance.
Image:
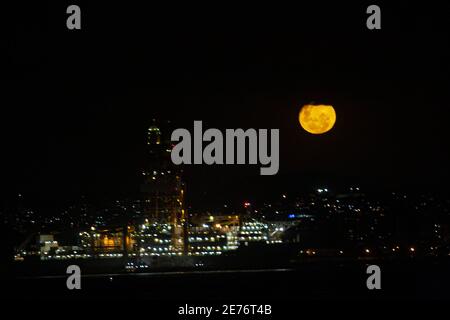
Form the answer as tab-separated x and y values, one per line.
413	279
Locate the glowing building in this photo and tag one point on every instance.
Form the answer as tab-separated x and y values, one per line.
163	189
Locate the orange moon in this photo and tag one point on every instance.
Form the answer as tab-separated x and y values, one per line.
317	119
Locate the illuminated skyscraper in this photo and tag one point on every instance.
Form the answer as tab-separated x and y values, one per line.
163	189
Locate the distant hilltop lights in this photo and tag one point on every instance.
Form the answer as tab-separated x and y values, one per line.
235	139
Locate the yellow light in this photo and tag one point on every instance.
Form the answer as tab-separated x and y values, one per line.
317	119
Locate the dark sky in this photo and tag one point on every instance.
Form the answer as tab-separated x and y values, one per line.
79	102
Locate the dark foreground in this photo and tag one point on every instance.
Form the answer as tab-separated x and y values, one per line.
400	280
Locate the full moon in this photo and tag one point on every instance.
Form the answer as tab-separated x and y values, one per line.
317	119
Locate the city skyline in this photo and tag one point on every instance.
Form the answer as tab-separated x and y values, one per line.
192	154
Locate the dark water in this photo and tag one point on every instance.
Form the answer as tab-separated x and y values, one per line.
311	281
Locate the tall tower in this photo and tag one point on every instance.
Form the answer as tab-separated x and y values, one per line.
163	188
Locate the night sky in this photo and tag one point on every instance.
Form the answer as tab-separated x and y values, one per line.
78	103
